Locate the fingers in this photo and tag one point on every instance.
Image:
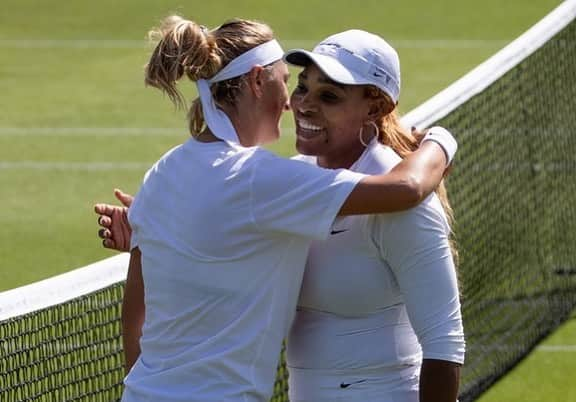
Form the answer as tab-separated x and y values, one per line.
119	234
124	198
109	243
105	209
104	233
418	134
115	230
120	229
104	221
107	213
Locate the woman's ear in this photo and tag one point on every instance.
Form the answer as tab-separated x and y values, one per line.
256	81
379	108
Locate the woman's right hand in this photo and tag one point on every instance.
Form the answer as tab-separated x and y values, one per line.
115	229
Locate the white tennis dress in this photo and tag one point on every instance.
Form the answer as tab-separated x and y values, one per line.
378	295
224	232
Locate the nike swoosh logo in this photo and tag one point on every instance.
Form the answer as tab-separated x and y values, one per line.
347	384
338	231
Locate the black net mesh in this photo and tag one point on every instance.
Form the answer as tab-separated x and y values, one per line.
72	352
513	192
68	352
512	189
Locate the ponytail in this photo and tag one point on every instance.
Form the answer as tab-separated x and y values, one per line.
187	48
184	48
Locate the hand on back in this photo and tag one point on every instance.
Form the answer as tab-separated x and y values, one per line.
115	229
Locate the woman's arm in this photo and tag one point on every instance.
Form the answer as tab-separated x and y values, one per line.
439	381
404	187
133	309
415	245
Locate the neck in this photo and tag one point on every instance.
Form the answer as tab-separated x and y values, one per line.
245	124
206	136
342	160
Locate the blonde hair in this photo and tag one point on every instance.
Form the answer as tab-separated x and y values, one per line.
187	48
394	135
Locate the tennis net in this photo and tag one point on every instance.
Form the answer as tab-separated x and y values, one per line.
513	193
512	190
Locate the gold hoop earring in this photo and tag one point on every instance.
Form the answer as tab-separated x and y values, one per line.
376	133
376	129
360	136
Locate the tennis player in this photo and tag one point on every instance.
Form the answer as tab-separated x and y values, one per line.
221	227
379	313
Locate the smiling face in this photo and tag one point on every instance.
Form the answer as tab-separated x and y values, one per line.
328	118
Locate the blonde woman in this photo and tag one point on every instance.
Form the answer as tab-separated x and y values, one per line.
221	227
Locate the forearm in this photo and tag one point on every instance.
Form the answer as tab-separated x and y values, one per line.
423	168
439	381
404	187
133	310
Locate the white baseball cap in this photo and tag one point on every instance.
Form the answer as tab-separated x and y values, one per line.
354	57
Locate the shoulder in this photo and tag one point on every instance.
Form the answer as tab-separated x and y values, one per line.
304	158
376	159
270	164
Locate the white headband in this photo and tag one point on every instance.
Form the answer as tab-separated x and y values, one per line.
216	119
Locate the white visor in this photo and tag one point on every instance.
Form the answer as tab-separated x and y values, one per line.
218	122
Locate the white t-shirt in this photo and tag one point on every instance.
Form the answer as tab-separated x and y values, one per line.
378	295
224	233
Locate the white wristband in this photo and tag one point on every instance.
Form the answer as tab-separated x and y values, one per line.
443	138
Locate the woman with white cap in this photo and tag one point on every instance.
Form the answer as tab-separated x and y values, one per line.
220	227
378	317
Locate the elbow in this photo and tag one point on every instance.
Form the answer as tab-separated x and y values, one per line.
414	191
445	343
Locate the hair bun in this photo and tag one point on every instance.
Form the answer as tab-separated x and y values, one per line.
184	47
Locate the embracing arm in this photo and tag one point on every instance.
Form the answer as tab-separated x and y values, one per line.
404	187
133	309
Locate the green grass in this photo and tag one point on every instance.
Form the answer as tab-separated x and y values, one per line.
544	375
46	210
46	216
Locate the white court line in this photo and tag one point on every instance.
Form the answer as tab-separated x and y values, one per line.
72	44
449	43
557	348
98	131
78	166
87	131
289	43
